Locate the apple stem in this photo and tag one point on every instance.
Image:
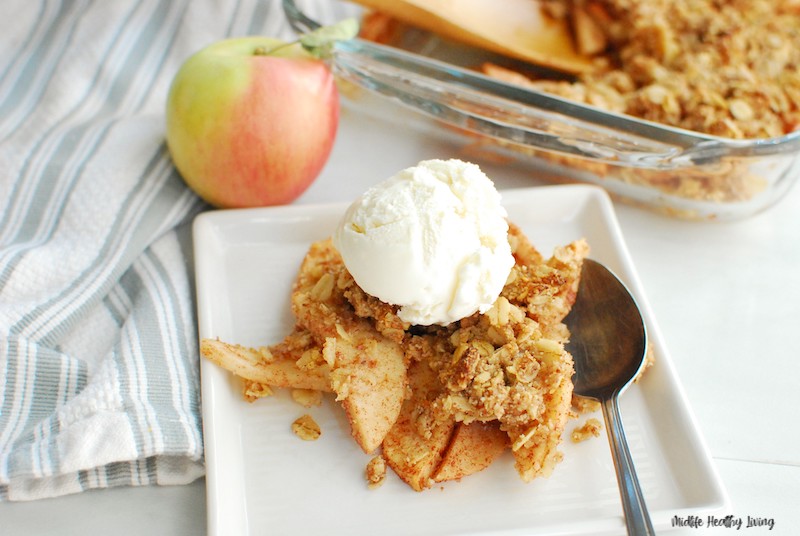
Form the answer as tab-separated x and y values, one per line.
319	42
264	51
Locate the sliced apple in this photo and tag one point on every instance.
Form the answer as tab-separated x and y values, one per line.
414	446
473	447
262	366
368	370
368	377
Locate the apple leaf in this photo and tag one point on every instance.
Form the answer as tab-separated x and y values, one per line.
319	42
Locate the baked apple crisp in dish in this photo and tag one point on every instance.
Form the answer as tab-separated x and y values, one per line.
690	108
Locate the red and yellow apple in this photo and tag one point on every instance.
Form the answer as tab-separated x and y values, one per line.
251	121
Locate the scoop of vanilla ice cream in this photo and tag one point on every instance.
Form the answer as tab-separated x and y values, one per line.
432	239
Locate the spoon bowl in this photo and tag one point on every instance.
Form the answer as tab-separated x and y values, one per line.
608	343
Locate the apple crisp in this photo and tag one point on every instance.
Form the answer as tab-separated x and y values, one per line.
440	402
723	68
727	69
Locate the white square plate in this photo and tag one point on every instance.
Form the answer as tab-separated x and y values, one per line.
262	479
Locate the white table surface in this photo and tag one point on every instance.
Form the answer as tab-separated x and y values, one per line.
726	296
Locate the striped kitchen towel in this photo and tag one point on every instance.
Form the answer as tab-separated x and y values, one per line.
99	372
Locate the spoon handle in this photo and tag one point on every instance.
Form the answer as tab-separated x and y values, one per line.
637	518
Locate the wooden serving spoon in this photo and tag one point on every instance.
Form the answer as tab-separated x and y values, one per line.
515	28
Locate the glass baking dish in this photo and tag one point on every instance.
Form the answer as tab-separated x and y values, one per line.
679	172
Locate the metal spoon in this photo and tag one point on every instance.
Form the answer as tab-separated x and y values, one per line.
608	342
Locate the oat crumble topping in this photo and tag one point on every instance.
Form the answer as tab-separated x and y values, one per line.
726	68
589	429
306	428
376	472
